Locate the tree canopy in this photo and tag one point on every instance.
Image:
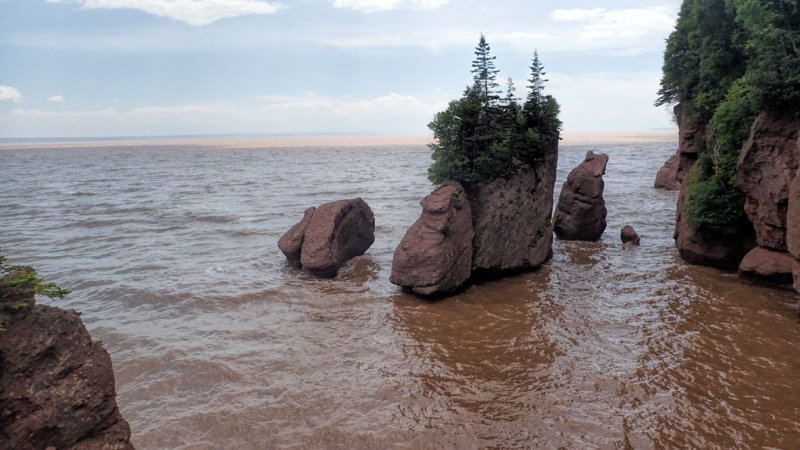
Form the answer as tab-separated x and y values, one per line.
483	136
726	61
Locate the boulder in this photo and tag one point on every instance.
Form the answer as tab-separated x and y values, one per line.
291	243
581	210
332	234
435	255
767	165
667	176
629	235
512	219
56	385
768	266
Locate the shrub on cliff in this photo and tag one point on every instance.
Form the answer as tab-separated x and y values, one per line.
483	136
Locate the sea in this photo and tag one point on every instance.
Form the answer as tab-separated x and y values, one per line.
170	251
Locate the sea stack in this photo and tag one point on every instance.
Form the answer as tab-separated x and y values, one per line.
581	210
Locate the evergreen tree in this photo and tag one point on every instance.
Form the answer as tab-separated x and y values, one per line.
484	73
482	137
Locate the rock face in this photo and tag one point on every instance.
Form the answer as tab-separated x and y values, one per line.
716	251
512	219
793	228
435	255
56	385
329	235
499	226
722	252
767	265
629	235
667	176
767	165
581	211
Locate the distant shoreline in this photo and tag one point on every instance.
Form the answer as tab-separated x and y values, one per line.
568	139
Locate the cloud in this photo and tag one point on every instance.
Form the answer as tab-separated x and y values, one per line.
57	99
192	12
623	29
369	6
10	94
610	101
392	113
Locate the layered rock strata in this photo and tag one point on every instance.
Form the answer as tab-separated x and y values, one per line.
581	210
328	236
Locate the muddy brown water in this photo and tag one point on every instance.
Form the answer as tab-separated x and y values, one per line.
171	254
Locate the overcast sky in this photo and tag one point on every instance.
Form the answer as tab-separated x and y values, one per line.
82	68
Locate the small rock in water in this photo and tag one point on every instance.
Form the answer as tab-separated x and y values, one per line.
629	236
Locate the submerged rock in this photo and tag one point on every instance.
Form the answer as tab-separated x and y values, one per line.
435	255
56	385
329	236
581	210
667	176
629	235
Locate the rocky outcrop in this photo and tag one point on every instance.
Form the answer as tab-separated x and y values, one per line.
581	210
767	165
502	226
329	235
629	236
767	266
667	176
435	255
793	228
56	385
723	252
512	219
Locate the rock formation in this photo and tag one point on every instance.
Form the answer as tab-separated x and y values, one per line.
767	173
767	266
291	243
667	176
581	210
435	255
793	228
629	235
767	165
500	226
56	385
512	219
723	252
328	236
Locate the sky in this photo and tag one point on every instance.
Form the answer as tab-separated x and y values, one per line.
107	68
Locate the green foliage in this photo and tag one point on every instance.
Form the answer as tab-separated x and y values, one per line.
445	227
18	284
726	61
481	137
